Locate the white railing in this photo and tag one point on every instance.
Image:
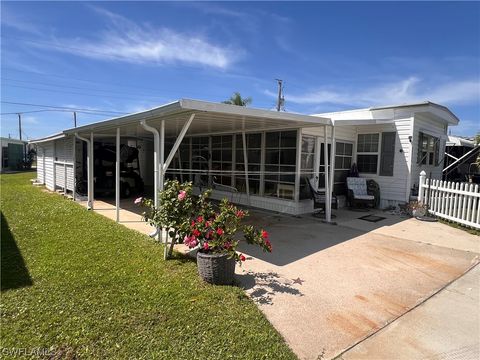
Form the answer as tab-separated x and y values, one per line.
454	201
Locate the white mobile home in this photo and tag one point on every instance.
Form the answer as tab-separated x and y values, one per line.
254	157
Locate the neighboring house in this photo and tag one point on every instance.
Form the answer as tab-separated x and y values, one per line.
256	157
460	159
12	154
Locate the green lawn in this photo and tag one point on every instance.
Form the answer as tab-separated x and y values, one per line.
79	283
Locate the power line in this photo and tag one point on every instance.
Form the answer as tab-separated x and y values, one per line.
114	84
81	93
63	107
74	87
52	110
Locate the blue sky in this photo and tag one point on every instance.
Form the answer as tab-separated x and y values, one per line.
124	57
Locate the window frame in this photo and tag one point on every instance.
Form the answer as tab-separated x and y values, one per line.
436	144
377	153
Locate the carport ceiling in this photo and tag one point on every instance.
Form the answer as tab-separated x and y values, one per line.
210	118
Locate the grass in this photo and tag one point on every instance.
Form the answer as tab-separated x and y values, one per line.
459	226
84	286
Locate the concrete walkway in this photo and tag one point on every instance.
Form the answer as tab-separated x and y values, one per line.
328	288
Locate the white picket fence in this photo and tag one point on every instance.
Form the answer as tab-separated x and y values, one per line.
454	201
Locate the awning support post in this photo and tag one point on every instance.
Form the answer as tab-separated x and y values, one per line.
162	154
92	175
89	170
156	152
332	163
74	169
117	176
245	162
328	202
298	167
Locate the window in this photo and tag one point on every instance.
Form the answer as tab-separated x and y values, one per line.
428	149
280	160
343	162
367	153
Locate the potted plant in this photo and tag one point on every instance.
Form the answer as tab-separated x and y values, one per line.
416	208
215	233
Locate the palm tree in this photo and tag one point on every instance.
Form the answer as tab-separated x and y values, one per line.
236	99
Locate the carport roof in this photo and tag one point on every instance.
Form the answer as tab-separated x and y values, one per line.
210	118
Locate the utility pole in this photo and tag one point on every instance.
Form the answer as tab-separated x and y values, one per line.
74	119
20	125
280	99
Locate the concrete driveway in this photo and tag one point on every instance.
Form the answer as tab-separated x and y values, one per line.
395	289
328	288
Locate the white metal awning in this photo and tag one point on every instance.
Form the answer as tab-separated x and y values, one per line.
210	118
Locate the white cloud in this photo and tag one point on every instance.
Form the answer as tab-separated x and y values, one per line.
411	89
143	44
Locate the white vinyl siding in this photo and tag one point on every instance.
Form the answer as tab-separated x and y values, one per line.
53	159
433	128
40	165
393	189
48	153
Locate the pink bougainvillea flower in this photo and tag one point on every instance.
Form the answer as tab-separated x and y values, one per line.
200	219
208	235
138	200
206	246
240	214
207	224
242	257
192	224
190	241
264	234
268	244
219	232
227	245
182	194
196	232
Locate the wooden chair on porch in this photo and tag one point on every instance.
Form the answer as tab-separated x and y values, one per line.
319	199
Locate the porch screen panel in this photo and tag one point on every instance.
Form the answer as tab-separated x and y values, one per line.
200	159
321	169
307	165
280	159
222	159
185	160
343	162
254	157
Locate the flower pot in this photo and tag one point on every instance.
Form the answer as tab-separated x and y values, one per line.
216	269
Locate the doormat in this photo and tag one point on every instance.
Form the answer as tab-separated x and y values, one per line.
372	218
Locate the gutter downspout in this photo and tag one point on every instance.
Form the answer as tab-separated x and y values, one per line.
89	174
156	151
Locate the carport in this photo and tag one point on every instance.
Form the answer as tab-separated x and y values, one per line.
187	118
